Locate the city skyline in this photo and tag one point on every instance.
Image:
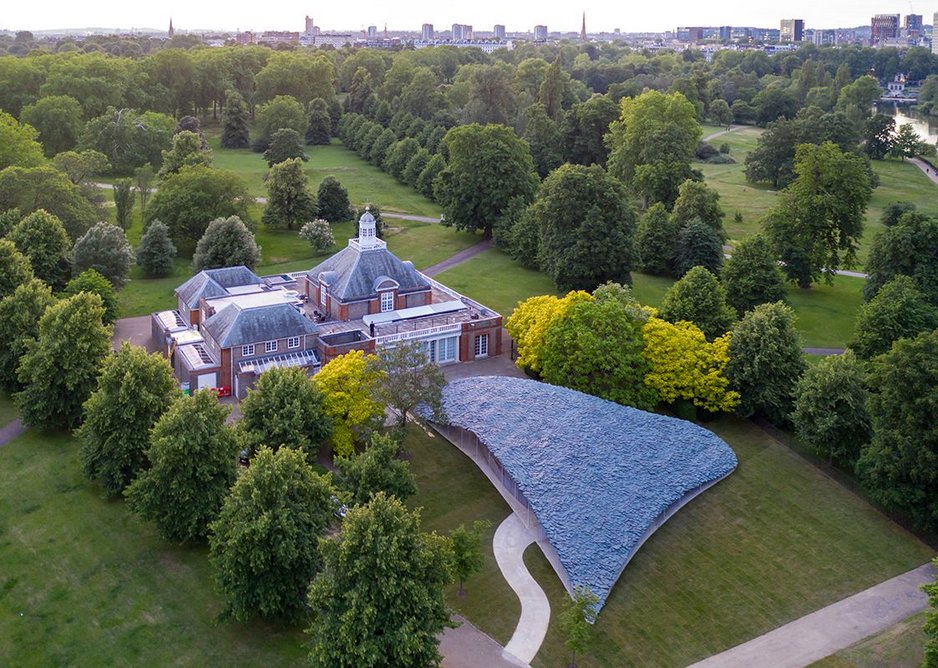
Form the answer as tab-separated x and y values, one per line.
483	16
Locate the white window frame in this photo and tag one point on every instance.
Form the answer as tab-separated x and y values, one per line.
387	301
481	345
293	342
270	346
248	350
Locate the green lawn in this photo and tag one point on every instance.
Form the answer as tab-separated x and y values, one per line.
84	582
902	644
453	491
826	313
774	541
7	408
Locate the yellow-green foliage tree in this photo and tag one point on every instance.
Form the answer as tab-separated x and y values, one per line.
685	366
348	385
529	322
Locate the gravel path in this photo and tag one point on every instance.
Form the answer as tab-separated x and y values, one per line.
458	258
831	629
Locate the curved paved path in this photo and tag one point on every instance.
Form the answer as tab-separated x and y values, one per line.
831	629
457	258
926	169
733	128
511	540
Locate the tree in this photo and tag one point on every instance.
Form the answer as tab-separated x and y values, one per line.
156	252
59	370
697	201
360	620
586	228
333	201
58	118
898	467
488	167
407	380
41	237
595	346
653	143
319	234
281	112
18	145
194	196
285	409
380	147
554	88
49	189
227	242
264	543
415	166
143	181
134	390
377	469
544	138
20	312
907	249
399	155
656	240
192	465
319	123
830	408
289	201
123	202
129	139
529	323
576	621
893	212
699	298
361	91
93	282
584	128
15	268
752	275
698	245
721	113
8	219
285	144
302	75
349	385
931	624
765	362
907	143
880	136
468	557
684	365
105	249
817	225
899	310
187	151
426	181
235	132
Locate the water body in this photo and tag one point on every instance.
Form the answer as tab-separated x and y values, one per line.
926	127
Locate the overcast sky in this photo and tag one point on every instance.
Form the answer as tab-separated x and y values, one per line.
482	14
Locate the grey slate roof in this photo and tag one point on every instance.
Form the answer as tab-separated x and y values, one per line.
236	326
598	476
210	283
355	273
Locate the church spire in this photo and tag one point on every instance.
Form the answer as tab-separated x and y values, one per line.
583	29
171	31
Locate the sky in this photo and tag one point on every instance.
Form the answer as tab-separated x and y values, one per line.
481	14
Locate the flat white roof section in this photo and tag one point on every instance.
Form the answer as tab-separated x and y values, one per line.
414	312
253	300
244	289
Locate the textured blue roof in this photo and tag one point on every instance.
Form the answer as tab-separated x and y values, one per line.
596	474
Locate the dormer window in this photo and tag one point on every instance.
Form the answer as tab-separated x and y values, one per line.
387	301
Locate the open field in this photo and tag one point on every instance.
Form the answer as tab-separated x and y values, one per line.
900	645
85	582
774	541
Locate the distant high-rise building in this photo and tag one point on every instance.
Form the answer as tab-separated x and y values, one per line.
171	31
912	25
310	27
726	33
583	29
499	31
934	36
540	33
372	32
791	30
426	32
884	27
461	32
825	37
